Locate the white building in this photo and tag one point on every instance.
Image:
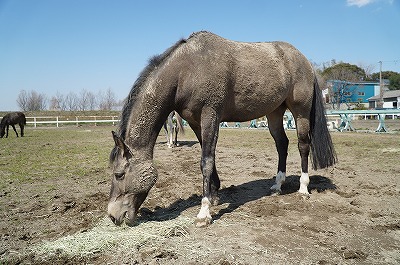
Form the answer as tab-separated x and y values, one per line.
391	100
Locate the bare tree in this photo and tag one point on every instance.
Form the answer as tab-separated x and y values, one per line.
107	101
37	101
31	101
60	98
92	102
28	101
340	91
71	102
54	104
368	69
22	100
83	100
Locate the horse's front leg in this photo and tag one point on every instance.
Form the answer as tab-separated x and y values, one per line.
15	130
209	137
215	185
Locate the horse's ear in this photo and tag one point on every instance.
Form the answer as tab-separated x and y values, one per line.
118	142
121	144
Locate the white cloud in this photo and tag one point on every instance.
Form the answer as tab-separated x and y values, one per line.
359	3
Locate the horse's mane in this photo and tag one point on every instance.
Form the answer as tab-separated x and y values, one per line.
154	62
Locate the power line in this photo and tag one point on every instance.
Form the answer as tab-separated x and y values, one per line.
392	61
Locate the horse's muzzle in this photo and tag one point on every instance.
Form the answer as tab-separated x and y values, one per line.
120	213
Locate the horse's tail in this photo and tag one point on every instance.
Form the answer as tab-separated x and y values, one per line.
322	151
179	123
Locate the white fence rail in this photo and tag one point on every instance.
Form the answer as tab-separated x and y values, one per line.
77	120
340	117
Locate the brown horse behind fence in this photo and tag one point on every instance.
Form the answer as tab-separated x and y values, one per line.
208	79
12	119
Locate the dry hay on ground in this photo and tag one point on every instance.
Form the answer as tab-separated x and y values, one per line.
105	236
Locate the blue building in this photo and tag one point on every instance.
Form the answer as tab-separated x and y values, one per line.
352	92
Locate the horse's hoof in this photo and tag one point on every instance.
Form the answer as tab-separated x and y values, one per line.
203	222
304	192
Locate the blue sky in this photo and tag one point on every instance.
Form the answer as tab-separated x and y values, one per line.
69	45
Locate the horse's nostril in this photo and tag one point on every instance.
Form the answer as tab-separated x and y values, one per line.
113	219
119	175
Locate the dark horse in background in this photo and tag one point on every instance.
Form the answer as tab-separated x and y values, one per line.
12	119
208	79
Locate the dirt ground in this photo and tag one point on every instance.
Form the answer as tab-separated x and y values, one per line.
352	215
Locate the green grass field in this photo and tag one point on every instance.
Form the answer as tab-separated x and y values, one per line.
47	153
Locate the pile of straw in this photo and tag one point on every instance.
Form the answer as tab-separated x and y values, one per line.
106	237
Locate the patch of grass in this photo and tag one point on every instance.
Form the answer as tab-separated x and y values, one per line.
50	153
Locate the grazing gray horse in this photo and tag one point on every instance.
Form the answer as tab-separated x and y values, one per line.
208	79
12	119
172	126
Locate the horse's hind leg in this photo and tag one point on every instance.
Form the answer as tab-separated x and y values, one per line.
7	128
303	128
303	136
275	124
21	126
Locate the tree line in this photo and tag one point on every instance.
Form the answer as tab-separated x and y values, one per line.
83	101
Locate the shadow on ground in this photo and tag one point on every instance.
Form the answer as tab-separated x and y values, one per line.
236	196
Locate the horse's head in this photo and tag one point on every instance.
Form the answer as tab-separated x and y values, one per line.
2	130
131	182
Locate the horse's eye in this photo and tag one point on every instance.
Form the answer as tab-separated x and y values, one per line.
119	175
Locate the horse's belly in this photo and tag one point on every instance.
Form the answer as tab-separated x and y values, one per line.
244	115
252	104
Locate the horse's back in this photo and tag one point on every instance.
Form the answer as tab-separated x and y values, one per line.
245	58
249	79
14	118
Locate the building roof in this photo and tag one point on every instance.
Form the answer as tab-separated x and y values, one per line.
387	94
384	81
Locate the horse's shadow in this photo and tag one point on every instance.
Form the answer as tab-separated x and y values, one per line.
181	143
236	196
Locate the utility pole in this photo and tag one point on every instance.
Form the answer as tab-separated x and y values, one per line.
380	102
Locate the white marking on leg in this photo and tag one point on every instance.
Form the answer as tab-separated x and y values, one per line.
279	180
205	209
304	181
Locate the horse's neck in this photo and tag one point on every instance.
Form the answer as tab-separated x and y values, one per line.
146	121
